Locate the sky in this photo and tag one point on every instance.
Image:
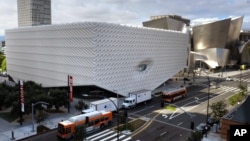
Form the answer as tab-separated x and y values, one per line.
132	12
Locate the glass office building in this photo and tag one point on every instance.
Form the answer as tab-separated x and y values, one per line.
34	12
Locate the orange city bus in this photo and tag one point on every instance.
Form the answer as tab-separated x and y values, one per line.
92	120
170	96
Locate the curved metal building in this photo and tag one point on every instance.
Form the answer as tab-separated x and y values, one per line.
169	22
215	38
110	56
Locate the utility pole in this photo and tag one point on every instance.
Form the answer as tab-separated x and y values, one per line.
118	115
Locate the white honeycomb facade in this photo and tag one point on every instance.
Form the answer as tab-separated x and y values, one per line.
102	54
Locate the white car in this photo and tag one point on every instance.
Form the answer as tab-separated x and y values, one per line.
229	79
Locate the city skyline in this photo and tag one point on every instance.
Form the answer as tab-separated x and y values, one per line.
132	12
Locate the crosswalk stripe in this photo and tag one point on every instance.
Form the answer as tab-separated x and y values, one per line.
110	132
227	88
108	137
127	139
97	134
122	136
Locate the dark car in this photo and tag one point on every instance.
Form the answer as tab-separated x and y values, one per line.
211	121
203	128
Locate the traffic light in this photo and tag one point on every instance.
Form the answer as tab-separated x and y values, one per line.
192	125
162	104
125	113
87	120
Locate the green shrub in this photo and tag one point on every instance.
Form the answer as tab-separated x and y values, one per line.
235	99
42	128
170	107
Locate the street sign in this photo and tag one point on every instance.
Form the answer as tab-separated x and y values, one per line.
44	106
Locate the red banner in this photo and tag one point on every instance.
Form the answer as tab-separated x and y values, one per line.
70	80
21	95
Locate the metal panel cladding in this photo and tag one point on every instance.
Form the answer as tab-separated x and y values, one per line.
111	56
211	35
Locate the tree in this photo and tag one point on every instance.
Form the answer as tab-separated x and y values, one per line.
32	94
80	132
41	116
15	108
59	97
10	98
81	105
243	91
3	65
195	136
218	109
4	93
2	57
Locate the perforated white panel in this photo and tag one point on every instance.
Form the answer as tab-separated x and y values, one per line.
102	54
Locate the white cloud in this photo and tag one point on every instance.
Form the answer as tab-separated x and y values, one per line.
8	15
131	11
203	20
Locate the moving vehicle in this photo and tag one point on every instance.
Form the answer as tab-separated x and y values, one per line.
107	104
92	120
136	98
172	95
229	78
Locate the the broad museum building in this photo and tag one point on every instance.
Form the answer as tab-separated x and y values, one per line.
110	56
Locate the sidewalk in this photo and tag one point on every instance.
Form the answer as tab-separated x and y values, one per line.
213	137
15	132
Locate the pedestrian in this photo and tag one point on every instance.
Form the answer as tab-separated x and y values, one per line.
206	130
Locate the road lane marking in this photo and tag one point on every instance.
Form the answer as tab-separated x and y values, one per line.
180	123
163	133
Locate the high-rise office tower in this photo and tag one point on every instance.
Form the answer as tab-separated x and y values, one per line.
34	12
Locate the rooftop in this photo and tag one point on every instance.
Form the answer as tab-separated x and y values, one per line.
240	113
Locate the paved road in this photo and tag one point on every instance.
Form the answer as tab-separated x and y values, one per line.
48	136
161	131
196	104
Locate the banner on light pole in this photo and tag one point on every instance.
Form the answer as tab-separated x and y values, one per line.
21	91
70	84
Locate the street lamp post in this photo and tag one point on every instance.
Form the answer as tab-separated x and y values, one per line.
208	96
242	67
190	115
33	122
118	115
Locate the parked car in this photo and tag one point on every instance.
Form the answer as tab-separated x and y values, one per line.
229	79
214	85
211	121
203	128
